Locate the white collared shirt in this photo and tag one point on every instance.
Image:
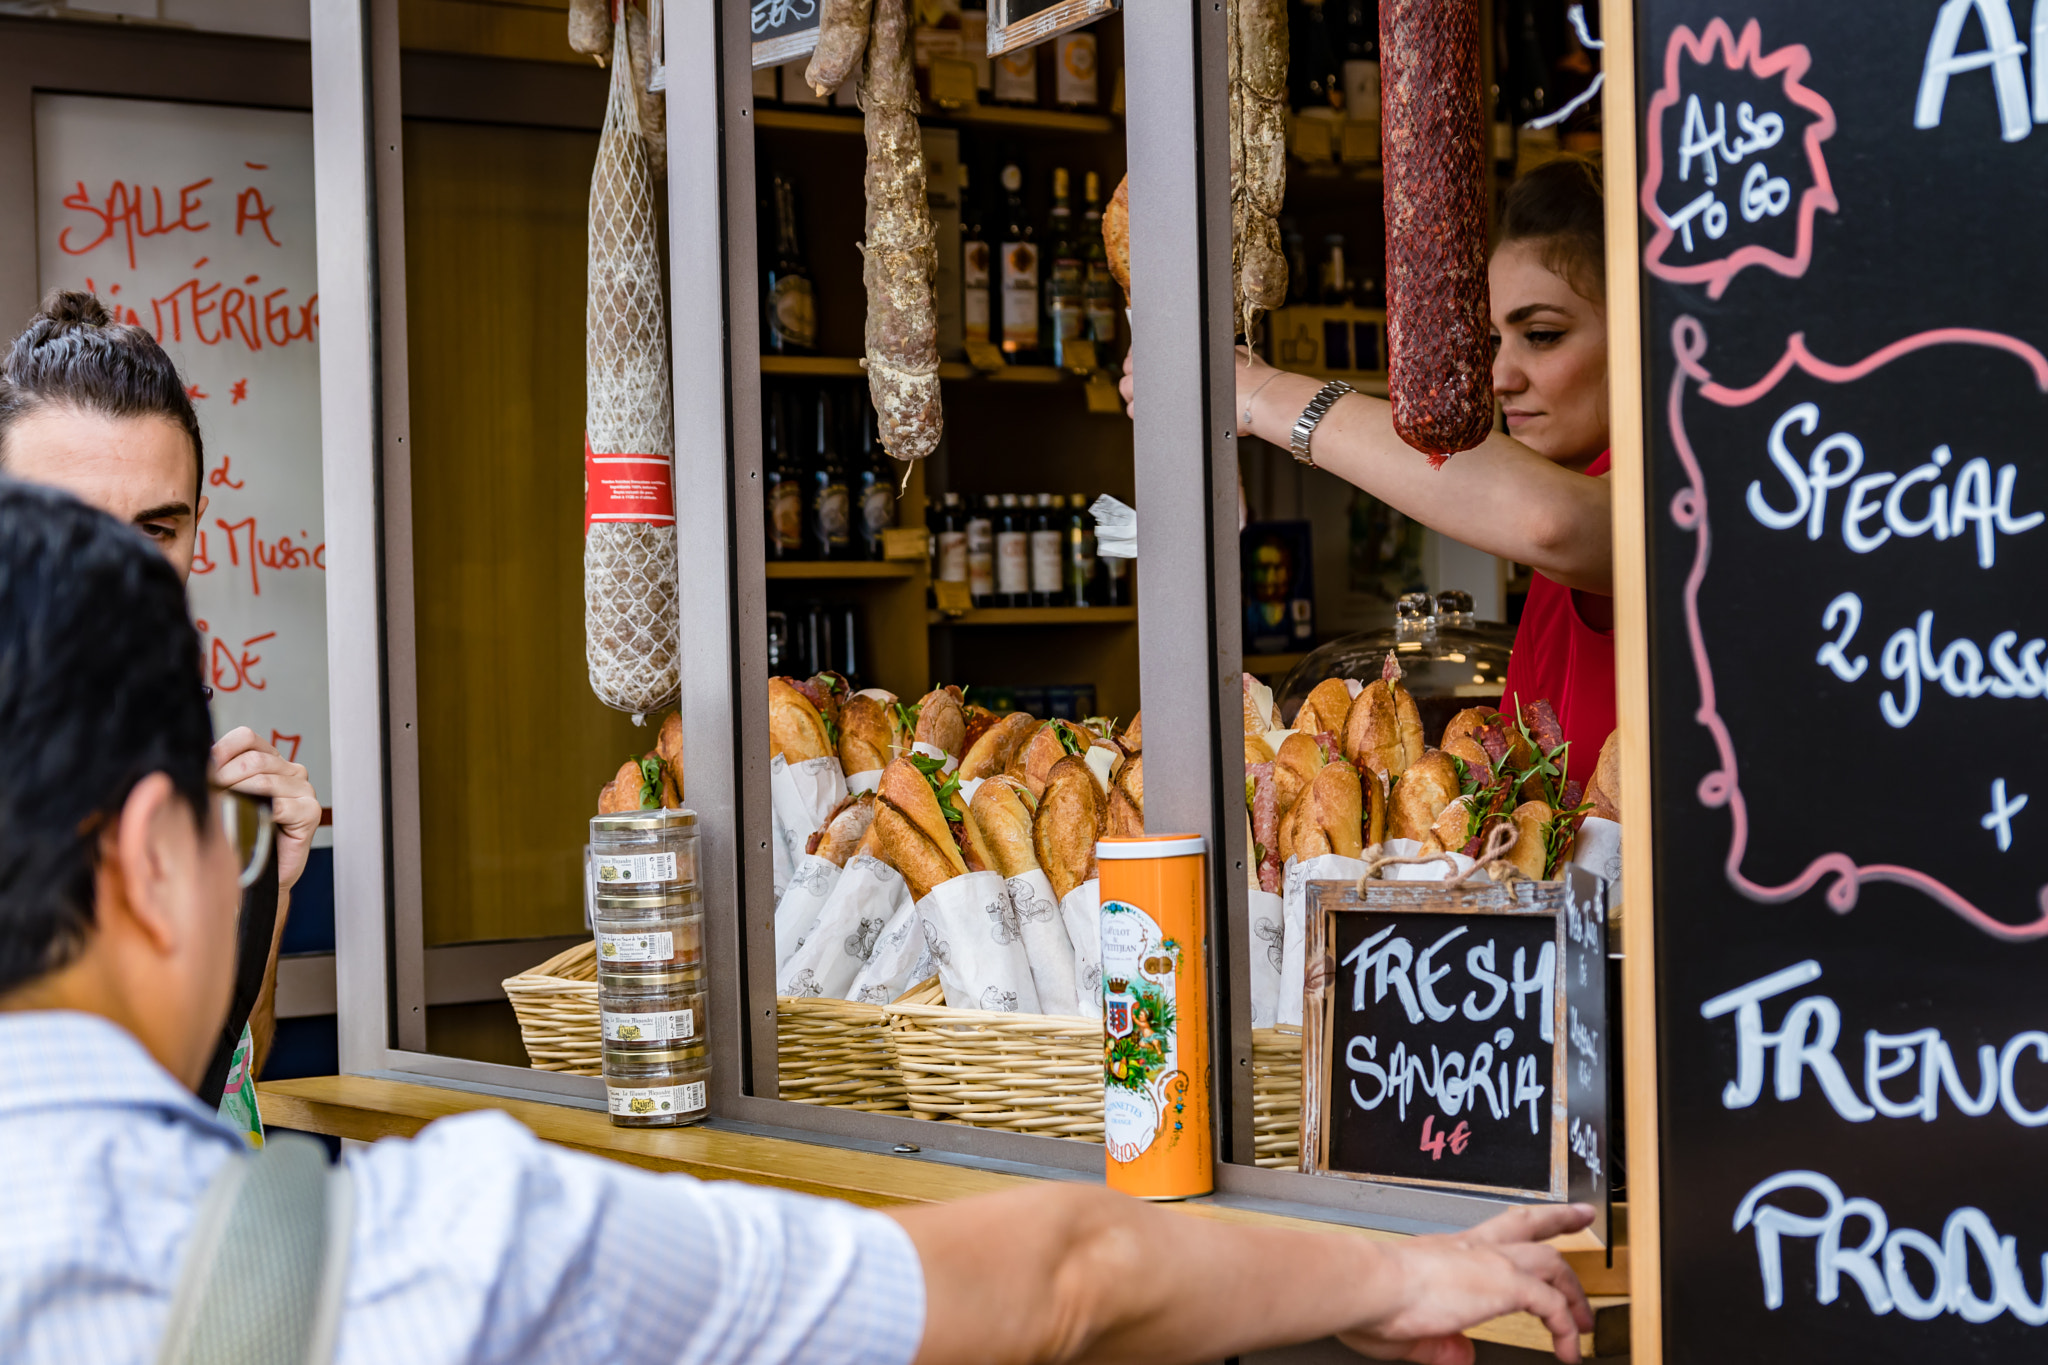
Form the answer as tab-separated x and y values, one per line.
474	1242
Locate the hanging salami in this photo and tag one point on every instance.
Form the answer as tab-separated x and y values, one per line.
1258	157
901	250
629	538
1440	354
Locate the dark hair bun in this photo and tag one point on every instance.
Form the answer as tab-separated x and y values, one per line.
73	308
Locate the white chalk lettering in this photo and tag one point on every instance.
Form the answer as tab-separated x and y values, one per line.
1544	983
2002	52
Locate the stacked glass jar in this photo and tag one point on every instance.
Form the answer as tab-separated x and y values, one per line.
649	922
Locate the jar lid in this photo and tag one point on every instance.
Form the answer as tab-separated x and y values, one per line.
639	981
666	1056
642	821
1151	846
647	903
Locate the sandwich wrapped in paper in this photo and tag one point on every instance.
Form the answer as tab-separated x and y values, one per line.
871	736
866	898
971	930
1069	821
805	781
816	873
1003	811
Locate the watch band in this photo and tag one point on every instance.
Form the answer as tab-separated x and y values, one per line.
1312	416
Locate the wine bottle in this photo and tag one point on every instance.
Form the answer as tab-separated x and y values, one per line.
831	508
1099	288
1048	537
791	311
1066	280
1013	555
952	538
784	538
981	552
974	285
874	486
1020	338
1079	552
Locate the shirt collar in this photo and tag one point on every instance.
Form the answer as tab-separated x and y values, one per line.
66	1059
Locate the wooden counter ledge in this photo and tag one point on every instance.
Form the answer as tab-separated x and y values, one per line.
367	1108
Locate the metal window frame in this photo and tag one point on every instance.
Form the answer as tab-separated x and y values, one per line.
1186	477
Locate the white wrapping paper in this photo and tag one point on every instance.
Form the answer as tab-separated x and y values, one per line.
1328	867
899	961
856	783
1435	871
1081	912
1047	944
978	944
1599	850
1267	912
967	790
849	924
778	849
811	880
804	796
934	751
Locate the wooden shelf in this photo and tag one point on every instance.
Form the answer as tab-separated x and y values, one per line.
1039	616
840	366
849	568
981	116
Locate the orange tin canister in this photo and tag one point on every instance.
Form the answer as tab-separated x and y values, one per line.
1155	1016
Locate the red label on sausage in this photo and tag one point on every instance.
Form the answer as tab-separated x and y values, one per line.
627	488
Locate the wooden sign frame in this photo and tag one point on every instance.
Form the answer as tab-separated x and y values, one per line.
1637	1013
1326	901
785	47
1006	34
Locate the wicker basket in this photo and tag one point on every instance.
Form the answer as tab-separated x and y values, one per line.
1027	1073
557	1007
1276	1097
835	1053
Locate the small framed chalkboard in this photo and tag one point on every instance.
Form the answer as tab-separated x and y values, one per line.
1014	24
1456	1036
783	29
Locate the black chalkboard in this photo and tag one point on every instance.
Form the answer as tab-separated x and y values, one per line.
1456	1036
783	29
1014	24
1841	211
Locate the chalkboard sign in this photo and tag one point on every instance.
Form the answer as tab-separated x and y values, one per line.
783	29
1014	24
1449	1030
1845	358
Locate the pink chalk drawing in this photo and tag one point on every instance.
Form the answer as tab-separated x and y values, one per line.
1790	63
1723	787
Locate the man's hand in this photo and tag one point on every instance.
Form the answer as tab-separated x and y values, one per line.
1128	387
1445	1284
246	764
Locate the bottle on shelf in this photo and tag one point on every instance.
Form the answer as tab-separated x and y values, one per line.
975	310
1079	535
830	502
1016	78
1334	282
1359	29
1048	566
1074	74
1019	276
1317	75
1116	582
1099	287
783	485
791	311
874	486
950	530
1066	280
981	552
1013	555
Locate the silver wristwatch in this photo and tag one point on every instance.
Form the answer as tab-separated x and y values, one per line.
1312	416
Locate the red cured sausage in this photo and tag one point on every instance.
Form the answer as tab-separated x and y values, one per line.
1440	354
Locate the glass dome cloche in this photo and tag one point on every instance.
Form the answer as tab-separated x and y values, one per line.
1449	661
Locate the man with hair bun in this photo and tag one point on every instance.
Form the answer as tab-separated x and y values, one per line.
98	409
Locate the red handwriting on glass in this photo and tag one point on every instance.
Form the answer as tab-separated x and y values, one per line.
278	740
1433	1142
246	545
123	211
221	478
202	562
217	314
236	395
250	208
232	669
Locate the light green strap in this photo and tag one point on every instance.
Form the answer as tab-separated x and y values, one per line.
263	1276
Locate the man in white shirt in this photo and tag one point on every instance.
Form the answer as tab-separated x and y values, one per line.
475	1242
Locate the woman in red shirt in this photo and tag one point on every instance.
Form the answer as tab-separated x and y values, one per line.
1536	495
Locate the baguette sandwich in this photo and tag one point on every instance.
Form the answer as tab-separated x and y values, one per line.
1002	810
870	733
1068	822
796	731
1383	730
844	829
1126	815
912	830
996	747
941	721
1324	709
